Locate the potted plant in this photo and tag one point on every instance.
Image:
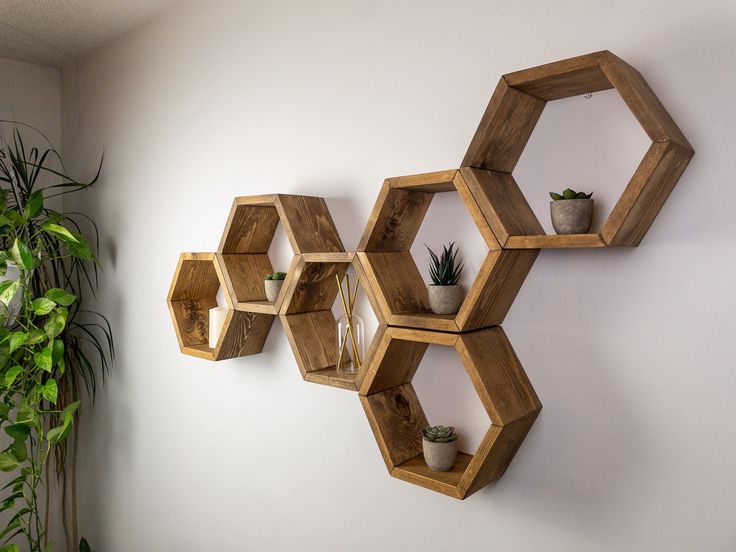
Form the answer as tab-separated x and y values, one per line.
572	212
440	447
445	293
273	283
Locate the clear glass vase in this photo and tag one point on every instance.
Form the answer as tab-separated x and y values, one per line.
353	350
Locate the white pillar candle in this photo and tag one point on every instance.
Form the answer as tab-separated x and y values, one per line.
217	321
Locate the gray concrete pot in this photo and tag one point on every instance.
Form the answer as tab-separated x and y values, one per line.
571	216
445	299
439	456
273	287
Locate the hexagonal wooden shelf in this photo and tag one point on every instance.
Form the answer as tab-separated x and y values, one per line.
306	315
193	293
396	416
509	120
401	293
250	228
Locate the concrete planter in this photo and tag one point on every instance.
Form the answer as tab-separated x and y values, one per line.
439	456
273	288
571	216
445	299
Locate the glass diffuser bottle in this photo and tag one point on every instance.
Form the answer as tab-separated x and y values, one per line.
350	343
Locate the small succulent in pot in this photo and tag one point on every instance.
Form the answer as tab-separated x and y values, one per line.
273	283
571	211
439	444
445	293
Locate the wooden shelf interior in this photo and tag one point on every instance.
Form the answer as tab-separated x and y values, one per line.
508	122
397	418
308	320
193	293
401	292
247	237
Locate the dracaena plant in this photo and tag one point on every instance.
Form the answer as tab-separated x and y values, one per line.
50	349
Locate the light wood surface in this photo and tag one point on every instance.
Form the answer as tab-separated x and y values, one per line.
554	241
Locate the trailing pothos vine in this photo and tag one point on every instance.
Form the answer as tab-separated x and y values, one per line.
51	350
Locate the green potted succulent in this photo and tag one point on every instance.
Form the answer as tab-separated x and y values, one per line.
273	283
439	444
571	211
445	293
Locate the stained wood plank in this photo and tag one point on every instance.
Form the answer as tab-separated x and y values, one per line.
308	224
562	79
397	279
645	194
425	320
333	378
314	287
552	241
395	219
502	203
415	471
495	287
497	375
397	419
504	129
495	454
393	362
244	334
440	181
480	219
243	275
313	339
195	277
191	320
643	103
249	228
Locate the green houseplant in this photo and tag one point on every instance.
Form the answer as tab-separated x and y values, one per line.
571	211
52	351
439	444
445	293
273	284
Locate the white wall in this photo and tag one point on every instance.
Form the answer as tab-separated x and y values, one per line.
630	350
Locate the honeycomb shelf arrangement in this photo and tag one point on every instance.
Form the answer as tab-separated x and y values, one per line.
394	286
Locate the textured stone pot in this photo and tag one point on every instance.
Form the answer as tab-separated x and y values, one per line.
439	456
273	287
445	299
571	216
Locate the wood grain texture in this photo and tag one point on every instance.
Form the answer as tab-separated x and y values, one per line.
440	181
562	79
504	129
308	224
397	420
553	241
645	194
396	280
642	102
494	289
313	286
244	274
502	203
497	375
395	219
392	362
313	339
415	471
494	455
249	228
425	321
333	378
193	293
477	214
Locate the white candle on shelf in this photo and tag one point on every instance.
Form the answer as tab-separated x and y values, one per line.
217	321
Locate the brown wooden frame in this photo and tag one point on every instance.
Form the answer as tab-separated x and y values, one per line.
400	291
193	293
309	325
509	120
396	417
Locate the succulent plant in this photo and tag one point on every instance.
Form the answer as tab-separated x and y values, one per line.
446	269
276	276
570	194
439	434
